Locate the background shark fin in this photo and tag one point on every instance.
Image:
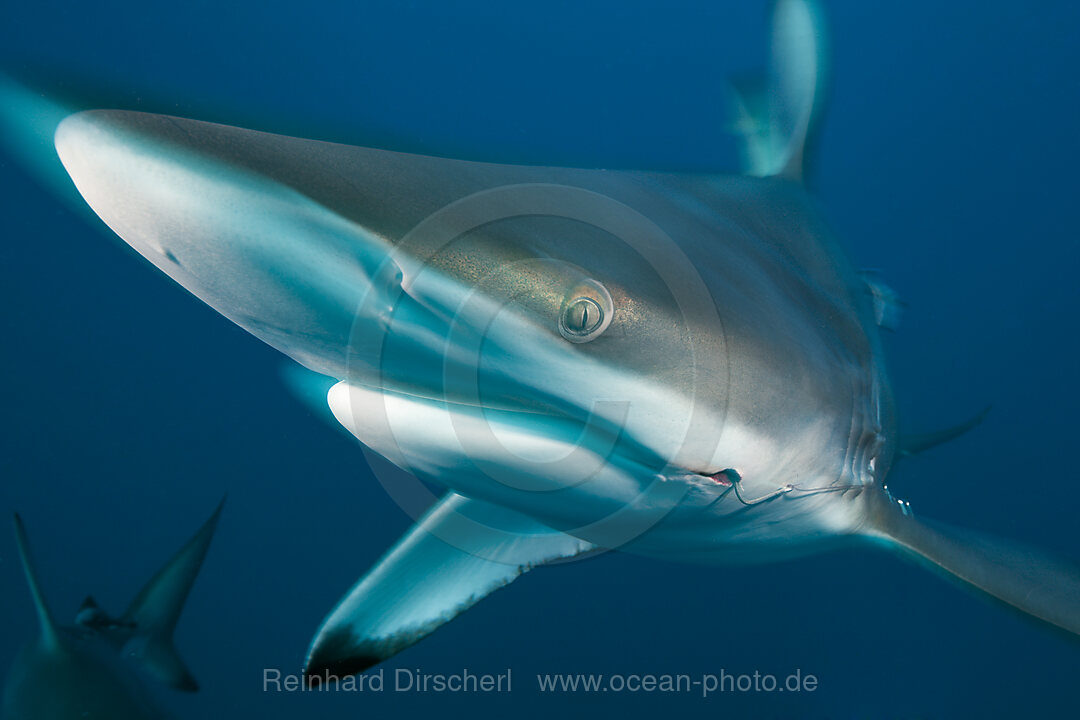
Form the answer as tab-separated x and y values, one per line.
458	553
1023	577
156	609
777	114
920	442
48	627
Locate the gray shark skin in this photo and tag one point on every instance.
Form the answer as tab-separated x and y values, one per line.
99	667
680	366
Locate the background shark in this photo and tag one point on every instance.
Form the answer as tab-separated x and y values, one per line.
911	152
96	667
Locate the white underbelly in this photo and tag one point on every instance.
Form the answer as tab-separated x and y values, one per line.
540	466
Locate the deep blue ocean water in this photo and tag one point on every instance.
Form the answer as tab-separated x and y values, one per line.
948	161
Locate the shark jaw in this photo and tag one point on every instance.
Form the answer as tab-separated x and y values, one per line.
579	481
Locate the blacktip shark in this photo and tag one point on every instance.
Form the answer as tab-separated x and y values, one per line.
681	366
96	667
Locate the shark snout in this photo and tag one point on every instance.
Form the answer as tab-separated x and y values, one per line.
269	258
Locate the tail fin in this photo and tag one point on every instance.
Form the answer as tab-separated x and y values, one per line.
156	609
48	627
1025	578
778	112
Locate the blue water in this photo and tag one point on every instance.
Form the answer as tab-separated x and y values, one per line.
947	161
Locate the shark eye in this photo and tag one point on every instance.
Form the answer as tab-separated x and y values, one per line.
582	316
586	313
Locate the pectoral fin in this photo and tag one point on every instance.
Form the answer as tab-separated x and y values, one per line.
1023	577
49	633
457	554
154	612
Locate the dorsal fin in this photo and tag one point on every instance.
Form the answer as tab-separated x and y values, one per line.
90	613
156	609
45	617
777	112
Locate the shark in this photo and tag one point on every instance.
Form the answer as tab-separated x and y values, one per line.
683	366
99	666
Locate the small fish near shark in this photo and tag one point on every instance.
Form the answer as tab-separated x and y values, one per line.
679	366
100	666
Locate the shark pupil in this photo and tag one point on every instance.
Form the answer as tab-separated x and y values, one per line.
582	316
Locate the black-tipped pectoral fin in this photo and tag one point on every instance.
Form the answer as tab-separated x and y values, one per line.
458	553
